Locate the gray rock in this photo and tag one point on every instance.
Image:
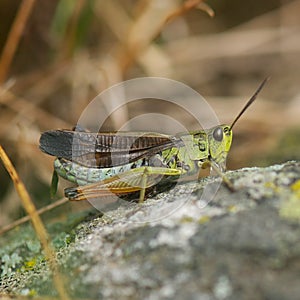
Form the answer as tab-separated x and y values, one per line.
182	245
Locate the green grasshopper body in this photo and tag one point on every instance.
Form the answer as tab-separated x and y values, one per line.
126	162
192	154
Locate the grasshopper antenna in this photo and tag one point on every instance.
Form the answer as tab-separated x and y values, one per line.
251	100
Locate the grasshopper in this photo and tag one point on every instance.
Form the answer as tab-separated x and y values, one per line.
126	162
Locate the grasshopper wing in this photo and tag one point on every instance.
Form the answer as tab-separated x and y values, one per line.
105	150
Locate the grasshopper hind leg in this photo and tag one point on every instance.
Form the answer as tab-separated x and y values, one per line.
136	180
143	185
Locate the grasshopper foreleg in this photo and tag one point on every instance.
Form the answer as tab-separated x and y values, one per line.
227	182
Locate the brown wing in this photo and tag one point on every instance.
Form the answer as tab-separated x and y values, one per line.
105	149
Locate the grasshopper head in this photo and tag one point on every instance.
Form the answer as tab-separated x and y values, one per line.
212	144
219	142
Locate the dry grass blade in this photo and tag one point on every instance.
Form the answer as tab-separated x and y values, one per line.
14	37
37	223
27	218
27	110
70	35
188	5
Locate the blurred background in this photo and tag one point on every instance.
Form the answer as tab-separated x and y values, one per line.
56	56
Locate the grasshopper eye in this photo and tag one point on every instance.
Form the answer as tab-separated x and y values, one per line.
218	134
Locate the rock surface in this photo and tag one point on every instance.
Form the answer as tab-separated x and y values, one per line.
196	241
